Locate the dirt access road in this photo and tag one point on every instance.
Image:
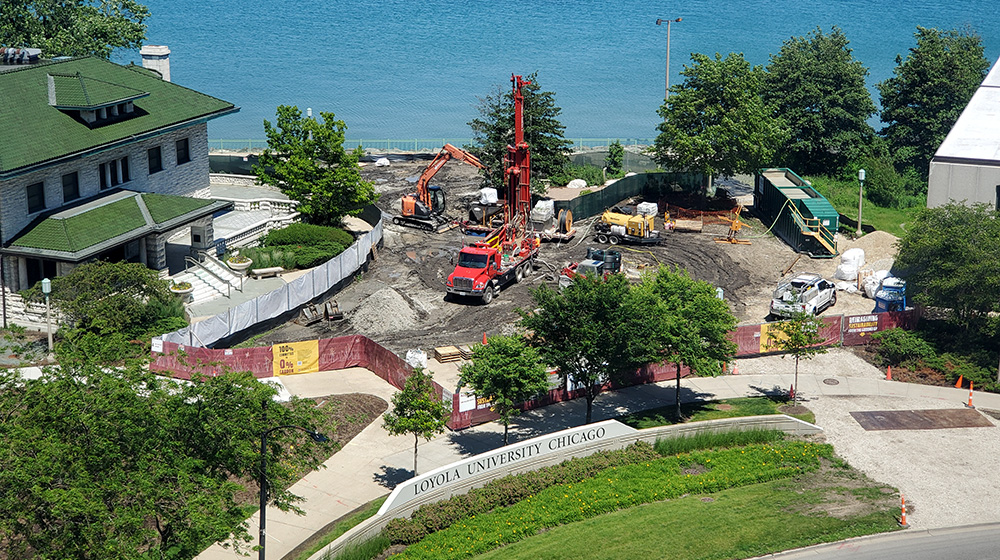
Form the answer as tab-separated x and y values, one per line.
400	301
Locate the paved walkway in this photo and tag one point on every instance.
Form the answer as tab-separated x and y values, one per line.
374	461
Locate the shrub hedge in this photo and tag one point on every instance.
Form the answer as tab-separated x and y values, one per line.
307	234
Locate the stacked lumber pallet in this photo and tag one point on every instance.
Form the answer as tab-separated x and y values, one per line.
466	351
446	354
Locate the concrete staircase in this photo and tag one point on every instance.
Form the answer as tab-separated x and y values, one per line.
211	279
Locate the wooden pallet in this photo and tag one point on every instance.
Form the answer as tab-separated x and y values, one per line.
466	351
446	354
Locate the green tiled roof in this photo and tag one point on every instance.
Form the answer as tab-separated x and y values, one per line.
95	225
80	92
33	132
164	207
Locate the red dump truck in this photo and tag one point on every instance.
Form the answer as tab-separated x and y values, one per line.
484	268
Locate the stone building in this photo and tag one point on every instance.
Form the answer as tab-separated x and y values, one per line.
99	161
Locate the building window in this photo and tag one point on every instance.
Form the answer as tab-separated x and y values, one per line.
183	151
36	197
114	173
71	187
155	161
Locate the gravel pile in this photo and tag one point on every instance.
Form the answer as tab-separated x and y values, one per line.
382	312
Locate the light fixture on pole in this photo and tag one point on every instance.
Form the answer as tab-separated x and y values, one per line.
666	89
861	190
316	436
47	289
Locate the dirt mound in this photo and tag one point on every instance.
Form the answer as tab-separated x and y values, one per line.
382	312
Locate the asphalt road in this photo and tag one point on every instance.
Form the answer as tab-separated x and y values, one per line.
972	542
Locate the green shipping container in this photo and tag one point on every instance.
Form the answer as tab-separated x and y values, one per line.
802	217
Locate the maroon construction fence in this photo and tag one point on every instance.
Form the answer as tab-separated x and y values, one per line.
360	351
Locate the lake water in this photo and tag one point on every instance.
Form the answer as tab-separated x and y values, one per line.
415	69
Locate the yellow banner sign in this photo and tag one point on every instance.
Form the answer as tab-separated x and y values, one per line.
770	337
291	358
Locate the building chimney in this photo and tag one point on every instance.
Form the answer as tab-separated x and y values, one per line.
156	57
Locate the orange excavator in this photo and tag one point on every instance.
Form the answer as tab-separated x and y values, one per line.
425	208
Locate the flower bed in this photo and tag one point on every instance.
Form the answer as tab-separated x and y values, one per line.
620	487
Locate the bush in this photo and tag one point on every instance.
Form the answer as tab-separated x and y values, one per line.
716	440
898	346
307	234
888	188
591	173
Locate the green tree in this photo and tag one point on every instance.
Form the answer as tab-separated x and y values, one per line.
77	28
694	323
109	304
615	158
493	131
417	410
818	89
716	121
950	258
306	159
120	463
928	91
507	371
595	331
798	337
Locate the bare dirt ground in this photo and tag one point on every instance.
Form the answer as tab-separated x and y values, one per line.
400	301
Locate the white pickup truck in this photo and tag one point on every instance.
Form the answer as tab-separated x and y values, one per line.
806	293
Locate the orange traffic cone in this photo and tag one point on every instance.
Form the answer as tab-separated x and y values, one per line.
888	374
902	514
791	391
736	369
970	396
958	384
484	339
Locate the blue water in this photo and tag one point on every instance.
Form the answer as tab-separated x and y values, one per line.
415	69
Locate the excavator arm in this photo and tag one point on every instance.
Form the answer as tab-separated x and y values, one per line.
444	156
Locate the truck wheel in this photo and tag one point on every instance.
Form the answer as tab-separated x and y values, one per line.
519	273
613	239
601	238
487	295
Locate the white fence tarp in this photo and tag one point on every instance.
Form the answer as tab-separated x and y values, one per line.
300	290
211	330
272	304
333	270
243	316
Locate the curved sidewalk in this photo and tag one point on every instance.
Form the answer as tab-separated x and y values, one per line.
370	464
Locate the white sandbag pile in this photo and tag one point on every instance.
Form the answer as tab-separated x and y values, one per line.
416	358
850	264
488	196
873	282
544	210
382	162
577	184
849	287
647	209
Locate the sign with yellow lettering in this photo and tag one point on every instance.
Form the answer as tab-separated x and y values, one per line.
291	358
770	337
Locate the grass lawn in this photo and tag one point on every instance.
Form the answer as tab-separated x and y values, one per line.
705	410
735	523
330	533
843	195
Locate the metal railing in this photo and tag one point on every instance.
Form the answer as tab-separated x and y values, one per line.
418	144
229	287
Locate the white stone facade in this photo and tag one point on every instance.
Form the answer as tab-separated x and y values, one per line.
187	179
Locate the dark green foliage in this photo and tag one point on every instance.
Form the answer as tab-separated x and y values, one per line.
592	174
307	234
510	490
292	257
493	131
120	463
950	258
716	121
715	440
887	187
928	91
306	159
615	158
80	28
899	346
818	90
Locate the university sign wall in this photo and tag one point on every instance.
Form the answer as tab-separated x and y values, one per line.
504	460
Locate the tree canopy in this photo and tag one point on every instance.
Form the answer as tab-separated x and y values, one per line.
119	463
798	337
493	131
716	121
417	410
507	371
594	331
693	323
306	160
950	258
818	89
109	304
928	91
78	28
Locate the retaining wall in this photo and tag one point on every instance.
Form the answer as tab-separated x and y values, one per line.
623	437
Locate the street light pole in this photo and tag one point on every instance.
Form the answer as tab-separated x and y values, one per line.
316	436
861	190
47	289
666	89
